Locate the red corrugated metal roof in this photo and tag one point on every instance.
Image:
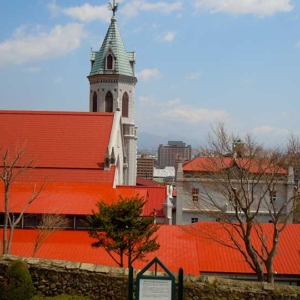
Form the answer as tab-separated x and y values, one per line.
215	164
178	249
147	182
156	197
65	198
65	140
217	258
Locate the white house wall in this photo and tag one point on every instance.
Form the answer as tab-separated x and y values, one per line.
186	208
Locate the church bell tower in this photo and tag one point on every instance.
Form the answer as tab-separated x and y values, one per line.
112	83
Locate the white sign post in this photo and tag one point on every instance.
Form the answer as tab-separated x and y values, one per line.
154	286
155	289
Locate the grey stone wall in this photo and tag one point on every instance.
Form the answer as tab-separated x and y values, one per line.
52	277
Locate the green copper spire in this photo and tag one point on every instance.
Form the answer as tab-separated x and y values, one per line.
113	43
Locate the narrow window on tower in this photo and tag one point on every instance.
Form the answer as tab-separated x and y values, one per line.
109	62
125	102
109	102
95	102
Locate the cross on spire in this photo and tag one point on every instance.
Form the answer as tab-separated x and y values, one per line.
113	7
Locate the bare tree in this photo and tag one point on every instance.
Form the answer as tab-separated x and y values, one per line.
293	148
239	183
12	168
49	223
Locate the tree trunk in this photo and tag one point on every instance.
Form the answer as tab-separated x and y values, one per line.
6	216
121	259
258	266
11	233
260	274
129	254
270	271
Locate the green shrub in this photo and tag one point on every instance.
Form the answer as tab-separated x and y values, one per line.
17	283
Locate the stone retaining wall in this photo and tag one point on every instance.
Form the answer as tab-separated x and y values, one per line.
53	277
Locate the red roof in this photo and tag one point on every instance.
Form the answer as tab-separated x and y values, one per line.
147	182
178	249
215	164
63	198
59	142
70	198
156	196
217	258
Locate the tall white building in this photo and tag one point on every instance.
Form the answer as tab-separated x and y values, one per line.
112	84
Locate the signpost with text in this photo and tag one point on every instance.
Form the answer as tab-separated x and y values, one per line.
155	287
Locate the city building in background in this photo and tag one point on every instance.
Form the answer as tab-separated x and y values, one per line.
166	175
145	166
167	155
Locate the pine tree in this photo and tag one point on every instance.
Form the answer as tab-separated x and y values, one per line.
121	229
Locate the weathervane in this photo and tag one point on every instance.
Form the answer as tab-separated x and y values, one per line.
113	7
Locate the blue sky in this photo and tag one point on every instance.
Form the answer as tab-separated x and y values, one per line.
199	62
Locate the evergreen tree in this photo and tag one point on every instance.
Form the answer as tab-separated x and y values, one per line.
122	231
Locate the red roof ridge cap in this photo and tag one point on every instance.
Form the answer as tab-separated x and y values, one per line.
49	112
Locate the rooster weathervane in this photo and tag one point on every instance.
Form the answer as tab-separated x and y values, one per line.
113	7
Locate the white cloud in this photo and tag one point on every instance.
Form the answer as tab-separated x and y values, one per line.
148	101
193	76
192	115
54	9
133	7
88	13
84	13
272	136
148	74
269	130
246	82
257	7
58	80
163	7
33	69
37	45
173	102
169	36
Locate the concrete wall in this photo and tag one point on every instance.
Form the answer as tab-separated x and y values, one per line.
52	277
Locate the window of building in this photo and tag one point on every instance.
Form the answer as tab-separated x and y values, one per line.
81	222
70	222
194	220
95	102
109	102
31	221
273	196
125	102
195	194
109	62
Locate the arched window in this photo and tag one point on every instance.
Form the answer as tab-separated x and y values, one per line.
109	102
125	103
109	62
95	102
